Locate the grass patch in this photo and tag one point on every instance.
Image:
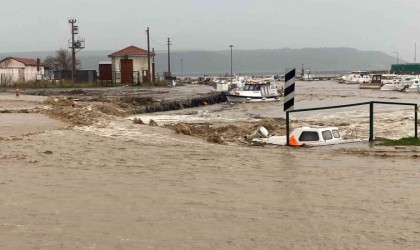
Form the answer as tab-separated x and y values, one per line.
406	141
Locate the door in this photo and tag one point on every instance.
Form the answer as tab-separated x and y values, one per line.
145	76
126	71
21	73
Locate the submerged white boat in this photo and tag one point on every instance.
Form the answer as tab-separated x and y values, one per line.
410	85
308	136
254	92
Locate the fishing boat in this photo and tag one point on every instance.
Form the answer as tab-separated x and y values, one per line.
254	92
410	85
356	77
307	136
374	83
391	82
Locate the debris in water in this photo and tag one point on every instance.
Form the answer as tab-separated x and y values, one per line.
261	132
203	113
182	128
138	121
153	123
216	138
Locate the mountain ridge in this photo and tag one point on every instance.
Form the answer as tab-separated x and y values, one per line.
246	61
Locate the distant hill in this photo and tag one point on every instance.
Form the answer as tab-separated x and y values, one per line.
248	61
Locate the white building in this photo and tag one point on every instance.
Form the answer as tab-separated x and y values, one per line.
19	70
129	65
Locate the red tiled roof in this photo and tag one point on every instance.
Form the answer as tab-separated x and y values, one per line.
130	51
25	61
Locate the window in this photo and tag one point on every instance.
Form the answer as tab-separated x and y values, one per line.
326	135
336	133
309	136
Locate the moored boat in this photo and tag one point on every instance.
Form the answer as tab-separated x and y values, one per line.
374	83
356	77
410	85
254	92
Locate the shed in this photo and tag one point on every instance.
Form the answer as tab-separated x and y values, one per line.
20	70
129	65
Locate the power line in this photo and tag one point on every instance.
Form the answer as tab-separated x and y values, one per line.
158	43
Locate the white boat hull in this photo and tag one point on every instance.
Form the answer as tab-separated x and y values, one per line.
370	86
390	87
281	141
238	98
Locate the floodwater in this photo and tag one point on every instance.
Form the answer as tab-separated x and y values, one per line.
128	186
390	121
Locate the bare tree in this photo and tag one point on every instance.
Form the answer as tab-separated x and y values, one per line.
6	79
60	61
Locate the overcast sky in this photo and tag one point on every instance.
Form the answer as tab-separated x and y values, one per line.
384	25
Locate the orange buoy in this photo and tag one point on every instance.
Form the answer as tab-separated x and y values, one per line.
293	141
17	92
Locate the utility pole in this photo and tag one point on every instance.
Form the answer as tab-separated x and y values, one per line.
231	63
73	53
75	46
396	52
153	65
415	52
302	73
181	67
148	55
169	56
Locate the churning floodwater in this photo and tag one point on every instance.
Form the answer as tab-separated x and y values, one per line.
390	121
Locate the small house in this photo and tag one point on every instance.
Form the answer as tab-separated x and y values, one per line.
130	65
20	70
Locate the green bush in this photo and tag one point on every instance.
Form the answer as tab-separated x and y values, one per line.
406	141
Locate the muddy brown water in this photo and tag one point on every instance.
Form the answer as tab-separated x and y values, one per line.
127	186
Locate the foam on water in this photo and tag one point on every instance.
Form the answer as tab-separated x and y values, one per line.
126	131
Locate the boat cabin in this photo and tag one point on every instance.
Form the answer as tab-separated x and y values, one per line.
314	135
376	79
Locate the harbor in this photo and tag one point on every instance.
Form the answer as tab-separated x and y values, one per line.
197	125
114	169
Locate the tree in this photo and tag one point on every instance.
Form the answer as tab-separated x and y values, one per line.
60	61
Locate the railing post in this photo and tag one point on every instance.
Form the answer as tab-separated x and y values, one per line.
371	121
415	121
287	128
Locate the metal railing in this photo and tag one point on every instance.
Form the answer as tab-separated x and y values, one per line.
371	103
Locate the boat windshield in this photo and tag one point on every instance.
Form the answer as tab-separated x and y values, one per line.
309	136
336	133
252	87
327	135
